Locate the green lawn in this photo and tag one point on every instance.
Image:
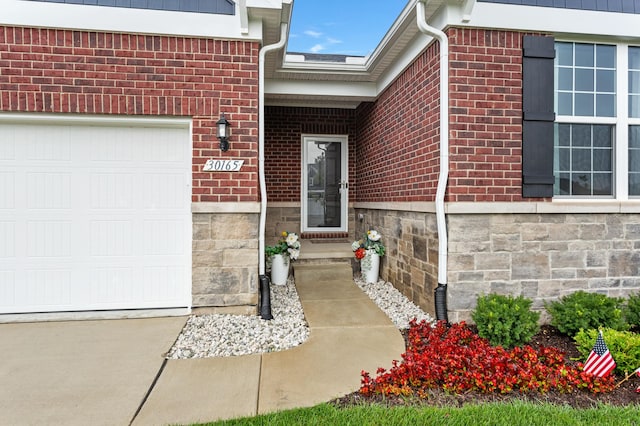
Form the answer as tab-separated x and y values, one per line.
512	414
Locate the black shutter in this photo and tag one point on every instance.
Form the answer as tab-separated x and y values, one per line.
537	116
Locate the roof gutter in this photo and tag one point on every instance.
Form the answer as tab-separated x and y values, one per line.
441	290
265	311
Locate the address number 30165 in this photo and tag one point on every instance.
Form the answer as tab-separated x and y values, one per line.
223	165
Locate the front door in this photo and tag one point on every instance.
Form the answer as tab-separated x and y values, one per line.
324	184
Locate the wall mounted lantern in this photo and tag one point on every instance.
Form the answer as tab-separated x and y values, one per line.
223	133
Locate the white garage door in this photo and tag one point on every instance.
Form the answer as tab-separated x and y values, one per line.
94	217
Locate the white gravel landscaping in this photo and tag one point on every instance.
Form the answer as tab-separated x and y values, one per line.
220	335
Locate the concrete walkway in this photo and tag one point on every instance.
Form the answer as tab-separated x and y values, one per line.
104	372
80	372
348	334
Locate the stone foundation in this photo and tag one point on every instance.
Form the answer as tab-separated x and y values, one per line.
411	259
283	216
540	256
225	263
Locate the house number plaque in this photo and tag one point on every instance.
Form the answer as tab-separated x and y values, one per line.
214	165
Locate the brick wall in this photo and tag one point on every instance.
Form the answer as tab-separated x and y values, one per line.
485	115
398	136
64	71
284	127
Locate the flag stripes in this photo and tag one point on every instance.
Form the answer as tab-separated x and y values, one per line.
600	362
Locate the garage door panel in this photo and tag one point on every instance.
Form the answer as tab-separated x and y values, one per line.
89	221
160	280
111	238
48	239
162	191
7	190
112	286
34	143
107	148
112	190
45	289
161	237
7	144
7	240
46	190
7	288
162	149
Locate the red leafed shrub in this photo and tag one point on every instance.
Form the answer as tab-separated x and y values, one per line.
457	360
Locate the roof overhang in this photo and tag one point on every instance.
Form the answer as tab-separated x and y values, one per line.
292	80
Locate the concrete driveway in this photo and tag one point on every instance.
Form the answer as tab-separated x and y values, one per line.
80	372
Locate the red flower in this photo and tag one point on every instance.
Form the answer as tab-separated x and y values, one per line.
360	253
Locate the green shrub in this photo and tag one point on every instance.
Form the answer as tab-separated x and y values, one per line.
582	310
505	320
632	310
623	345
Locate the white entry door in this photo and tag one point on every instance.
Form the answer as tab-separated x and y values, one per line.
325	188
94	216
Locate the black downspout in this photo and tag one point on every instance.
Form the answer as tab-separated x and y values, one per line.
265	298
440	295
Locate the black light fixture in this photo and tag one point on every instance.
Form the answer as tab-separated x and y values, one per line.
223	133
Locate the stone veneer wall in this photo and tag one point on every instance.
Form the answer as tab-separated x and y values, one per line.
540	256
284	216
225	263
411	259
281	217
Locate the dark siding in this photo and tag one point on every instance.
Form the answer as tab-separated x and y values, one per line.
621	6
537	116
220	7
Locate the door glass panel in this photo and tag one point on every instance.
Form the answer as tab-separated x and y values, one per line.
324	177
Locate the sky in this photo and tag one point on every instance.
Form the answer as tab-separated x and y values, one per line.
343	27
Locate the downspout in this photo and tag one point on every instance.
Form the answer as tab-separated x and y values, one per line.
265	297
441	290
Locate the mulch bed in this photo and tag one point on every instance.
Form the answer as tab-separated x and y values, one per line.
624	395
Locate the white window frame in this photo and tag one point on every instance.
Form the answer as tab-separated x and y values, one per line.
621	122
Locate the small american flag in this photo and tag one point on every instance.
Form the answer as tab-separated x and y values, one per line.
600	362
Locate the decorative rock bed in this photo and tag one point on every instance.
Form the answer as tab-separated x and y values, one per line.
220	335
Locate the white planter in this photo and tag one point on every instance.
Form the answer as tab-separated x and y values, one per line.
370	267
279	269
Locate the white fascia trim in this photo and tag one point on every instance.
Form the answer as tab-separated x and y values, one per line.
344	89
554	20
126	20
449	15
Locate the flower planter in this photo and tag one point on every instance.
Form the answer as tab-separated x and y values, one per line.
279	269
370	267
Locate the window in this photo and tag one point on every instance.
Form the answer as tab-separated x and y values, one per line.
586	80
597	126
634	128
584	158
634	160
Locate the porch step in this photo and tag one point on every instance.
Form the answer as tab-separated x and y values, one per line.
324	253
323	273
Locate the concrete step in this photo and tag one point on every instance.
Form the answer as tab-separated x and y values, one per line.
325	253
321	274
